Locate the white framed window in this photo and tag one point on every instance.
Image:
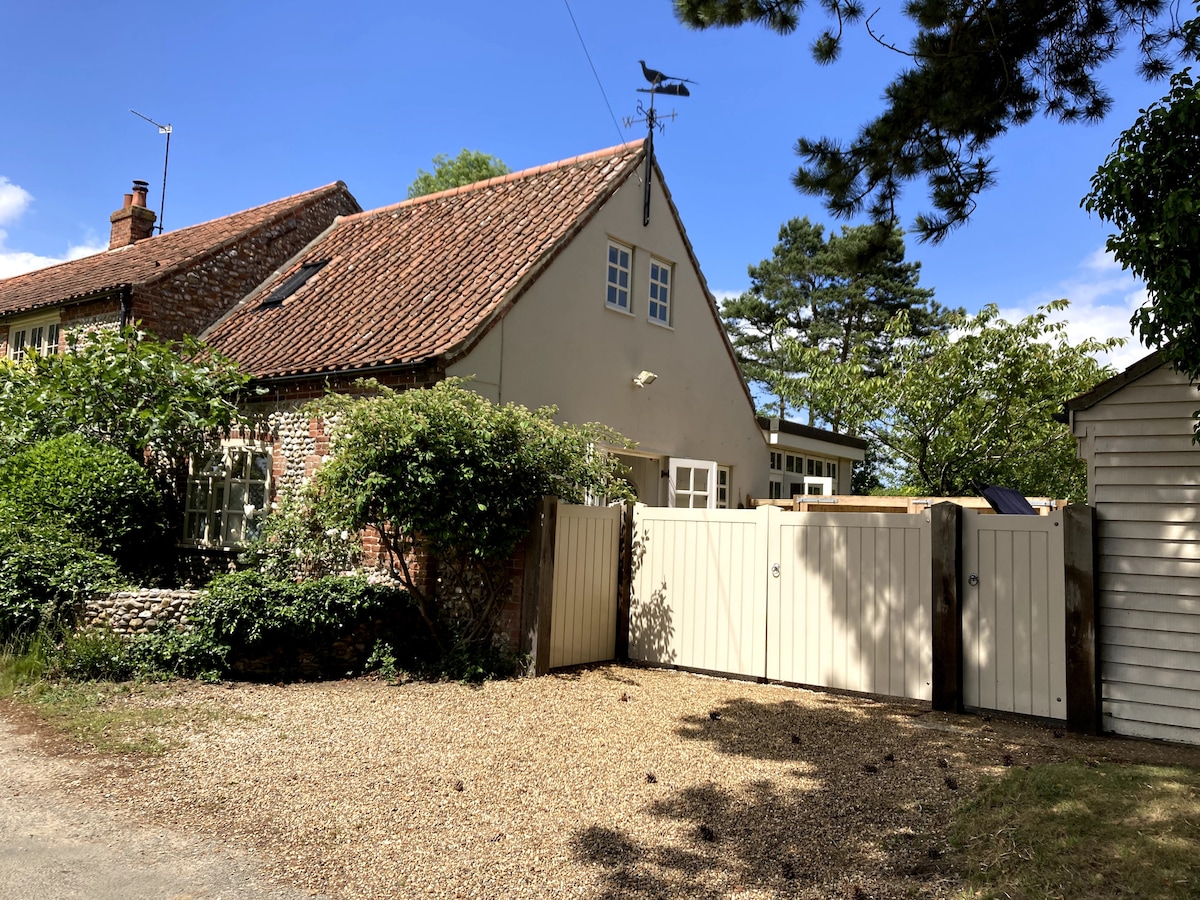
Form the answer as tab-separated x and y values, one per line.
692	484
775	488
818	487
227	495
659	307
722	487
776	461
38	335
620	265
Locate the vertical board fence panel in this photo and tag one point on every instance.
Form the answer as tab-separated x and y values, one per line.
583	619
1014	614
699	589
851	605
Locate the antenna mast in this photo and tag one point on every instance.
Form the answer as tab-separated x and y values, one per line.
162	129
659	84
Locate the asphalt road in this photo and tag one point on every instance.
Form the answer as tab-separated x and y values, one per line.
55	848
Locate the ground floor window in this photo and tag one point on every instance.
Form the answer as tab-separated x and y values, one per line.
33	336
692	484
227	495
722	487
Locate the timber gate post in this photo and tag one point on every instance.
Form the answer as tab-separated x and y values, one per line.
946	540
538	596
1084	696
624	582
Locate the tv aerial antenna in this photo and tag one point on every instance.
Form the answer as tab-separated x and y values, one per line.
660	83
162	129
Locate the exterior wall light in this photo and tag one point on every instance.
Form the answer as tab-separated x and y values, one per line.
644	378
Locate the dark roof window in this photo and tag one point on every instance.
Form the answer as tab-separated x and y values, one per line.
294	282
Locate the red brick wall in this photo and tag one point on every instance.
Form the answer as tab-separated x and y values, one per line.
193	299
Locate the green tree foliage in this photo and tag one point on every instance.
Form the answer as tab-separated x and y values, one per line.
298	541
447	472
978	404
250	623
46	572
836	294
972	71
466	168
93	490
1148	189
129	390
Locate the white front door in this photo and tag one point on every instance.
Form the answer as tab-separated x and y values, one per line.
692	484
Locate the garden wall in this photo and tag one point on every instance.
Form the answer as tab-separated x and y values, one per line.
140	611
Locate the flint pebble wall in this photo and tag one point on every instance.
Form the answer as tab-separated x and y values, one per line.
139	612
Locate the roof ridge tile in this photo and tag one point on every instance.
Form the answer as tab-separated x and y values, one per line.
614	150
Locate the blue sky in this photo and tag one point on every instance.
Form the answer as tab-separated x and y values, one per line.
269	99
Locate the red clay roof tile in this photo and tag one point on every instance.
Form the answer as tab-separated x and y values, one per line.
147	260
418	279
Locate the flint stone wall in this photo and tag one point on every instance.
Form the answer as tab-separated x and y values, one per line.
139	612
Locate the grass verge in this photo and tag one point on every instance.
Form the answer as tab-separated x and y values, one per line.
1075	830
110	717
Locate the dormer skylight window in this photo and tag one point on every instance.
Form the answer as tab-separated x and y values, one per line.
294	282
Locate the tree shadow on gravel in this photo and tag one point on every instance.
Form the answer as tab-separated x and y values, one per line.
856	807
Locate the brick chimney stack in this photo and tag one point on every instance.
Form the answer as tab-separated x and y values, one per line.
132	222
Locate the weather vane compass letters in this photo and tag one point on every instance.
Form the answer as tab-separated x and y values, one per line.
660	83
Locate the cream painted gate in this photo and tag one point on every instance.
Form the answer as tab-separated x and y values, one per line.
850	602
821	599
699	589
583	620
1014	614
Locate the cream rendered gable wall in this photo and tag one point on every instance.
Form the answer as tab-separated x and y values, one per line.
561	345
1144	481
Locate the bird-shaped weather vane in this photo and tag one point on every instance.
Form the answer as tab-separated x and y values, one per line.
660	83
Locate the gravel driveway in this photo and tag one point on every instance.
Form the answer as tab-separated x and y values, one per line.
603	783
53	847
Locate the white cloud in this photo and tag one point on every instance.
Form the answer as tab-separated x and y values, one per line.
14	200
1103	299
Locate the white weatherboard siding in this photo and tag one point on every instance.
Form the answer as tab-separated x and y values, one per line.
1144	480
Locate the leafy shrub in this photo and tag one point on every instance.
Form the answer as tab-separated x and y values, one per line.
89	488
93	656
298	540
254	624
446	471
45	574
176	654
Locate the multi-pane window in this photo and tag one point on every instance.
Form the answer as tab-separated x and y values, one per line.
659	308
775	489
39	337
619	267
776	461
722	487
692	487
227	495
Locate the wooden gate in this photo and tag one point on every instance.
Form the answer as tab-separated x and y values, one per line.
583	619
823	599
1014	614
699	589
849	602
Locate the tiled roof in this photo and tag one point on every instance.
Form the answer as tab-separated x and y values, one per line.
419	279
145	261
